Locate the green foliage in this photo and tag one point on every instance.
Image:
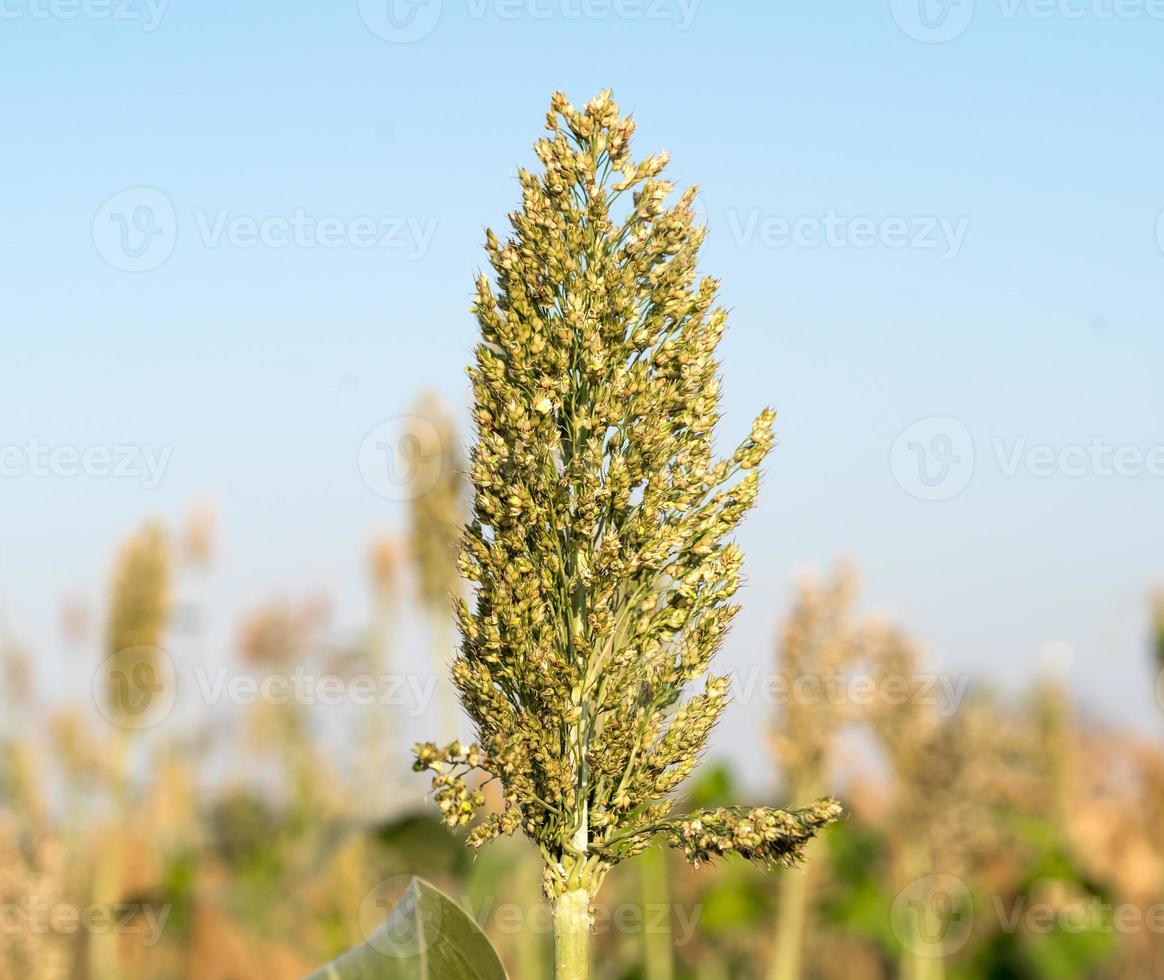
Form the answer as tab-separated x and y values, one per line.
425	937
424	843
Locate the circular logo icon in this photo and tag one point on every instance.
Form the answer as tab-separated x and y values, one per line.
933	916
932	21
400	21
403	458
389	922
136	229
136	688
933	459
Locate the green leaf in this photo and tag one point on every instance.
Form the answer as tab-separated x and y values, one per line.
426	937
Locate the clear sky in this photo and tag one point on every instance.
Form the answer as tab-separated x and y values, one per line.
946	212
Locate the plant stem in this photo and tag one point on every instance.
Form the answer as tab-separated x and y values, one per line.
572	921
658	947
794	893
790	925
442	645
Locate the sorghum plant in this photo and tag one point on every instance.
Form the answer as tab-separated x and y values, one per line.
384	729
437	516
944	764
34	871
599	541
139	608
820	643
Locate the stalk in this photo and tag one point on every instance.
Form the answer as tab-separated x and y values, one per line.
790	926
820	638
531	950
385	733
572	923
916	966
103	960
791	915
658	947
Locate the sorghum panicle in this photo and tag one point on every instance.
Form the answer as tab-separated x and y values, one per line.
139	609
438	514
599	544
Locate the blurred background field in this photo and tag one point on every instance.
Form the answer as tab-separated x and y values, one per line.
167	814
222	615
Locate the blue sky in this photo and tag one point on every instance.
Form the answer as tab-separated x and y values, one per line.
906	230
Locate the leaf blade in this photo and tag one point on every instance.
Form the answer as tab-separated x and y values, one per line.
426	936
